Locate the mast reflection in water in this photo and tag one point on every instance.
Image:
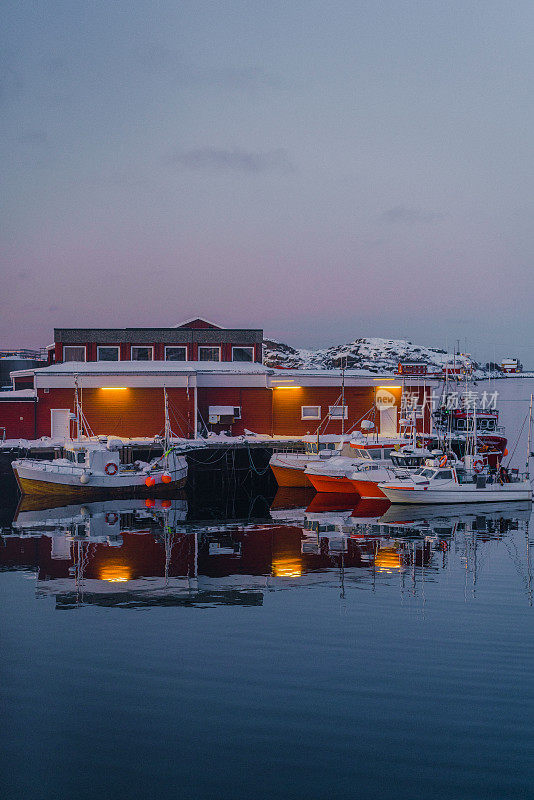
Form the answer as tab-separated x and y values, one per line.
136	552
317	650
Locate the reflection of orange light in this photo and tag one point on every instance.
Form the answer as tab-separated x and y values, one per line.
289	567
388	560
287	387
115	573
114	388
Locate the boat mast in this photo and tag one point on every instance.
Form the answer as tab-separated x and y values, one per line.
343	396
78	409
529	435
167	435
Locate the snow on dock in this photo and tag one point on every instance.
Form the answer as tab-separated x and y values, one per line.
213	441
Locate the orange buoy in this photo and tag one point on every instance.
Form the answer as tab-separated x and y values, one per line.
505	451
166	504
166	478
149	481
149	502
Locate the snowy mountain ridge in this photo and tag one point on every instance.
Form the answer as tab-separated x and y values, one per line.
368	355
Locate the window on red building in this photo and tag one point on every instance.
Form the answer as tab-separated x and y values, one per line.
143	353
73	353
242	354
209	353
107	353
310	412
176	353
338	412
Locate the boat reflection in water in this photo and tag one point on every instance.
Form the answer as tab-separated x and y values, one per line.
133	553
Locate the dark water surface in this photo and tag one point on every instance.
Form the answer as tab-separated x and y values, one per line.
305	654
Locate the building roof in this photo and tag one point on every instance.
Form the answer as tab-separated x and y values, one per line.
190	373
183	334
144	367
19	394
202	320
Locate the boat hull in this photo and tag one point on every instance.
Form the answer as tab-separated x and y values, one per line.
368	490
58	484
42	489
327	483
505	493
291	476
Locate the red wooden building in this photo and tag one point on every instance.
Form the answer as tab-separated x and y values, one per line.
126	399
193	340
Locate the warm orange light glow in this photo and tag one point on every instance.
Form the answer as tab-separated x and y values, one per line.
389	387
114	388
287	387
289	567
388	559
115	573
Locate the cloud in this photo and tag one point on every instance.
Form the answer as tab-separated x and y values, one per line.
410	216
238	160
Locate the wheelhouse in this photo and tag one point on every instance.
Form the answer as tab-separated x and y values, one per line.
379	453
409	458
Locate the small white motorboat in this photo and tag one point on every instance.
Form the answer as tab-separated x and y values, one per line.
455	484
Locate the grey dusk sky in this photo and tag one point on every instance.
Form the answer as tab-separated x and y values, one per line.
324	170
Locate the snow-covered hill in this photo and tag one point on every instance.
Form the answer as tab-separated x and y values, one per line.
368	355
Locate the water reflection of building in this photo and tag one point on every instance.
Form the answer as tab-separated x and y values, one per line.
131	555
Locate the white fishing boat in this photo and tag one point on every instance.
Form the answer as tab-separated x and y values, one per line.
449	484
366	477
88	469
332	476
473	481
288	467
93	468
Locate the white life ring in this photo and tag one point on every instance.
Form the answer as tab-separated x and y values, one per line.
478	466
111	518
111	468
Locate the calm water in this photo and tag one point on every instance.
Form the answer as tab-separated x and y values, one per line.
306	652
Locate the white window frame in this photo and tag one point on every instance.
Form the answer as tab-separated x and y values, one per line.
243	347
335	409
82	346
108	346
175	347
238	409
312	416
147	346
211	347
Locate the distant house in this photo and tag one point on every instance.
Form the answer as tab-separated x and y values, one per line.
193	340
412	368
511	365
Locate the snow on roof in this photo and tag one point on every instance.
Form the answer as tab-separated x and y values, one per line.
143	367
19	394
